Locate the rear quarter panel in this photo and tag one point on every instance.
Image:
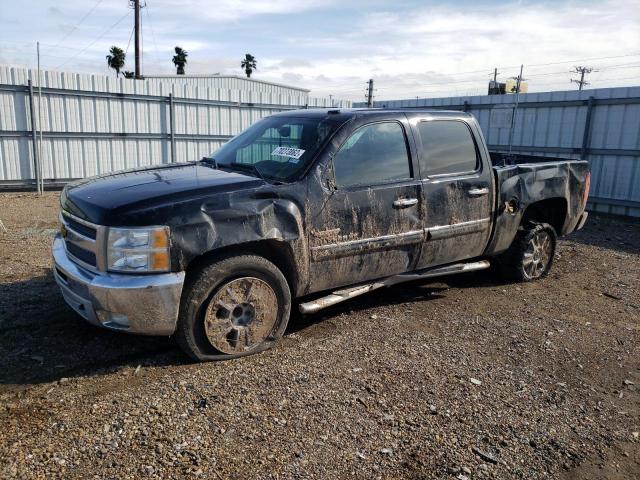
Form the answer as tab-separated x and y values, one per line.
527	184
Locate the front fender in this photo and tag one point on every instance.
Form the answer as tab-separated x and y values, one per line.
228	222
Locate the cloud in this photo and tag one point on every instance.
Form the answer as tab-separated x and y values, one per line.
286	63
420	53
409	47
238	10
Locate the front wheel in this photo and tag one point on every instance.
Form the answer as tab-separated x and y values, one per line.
234	307
530	256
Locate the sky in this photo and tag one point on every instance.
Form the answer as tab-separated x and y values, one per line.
410	48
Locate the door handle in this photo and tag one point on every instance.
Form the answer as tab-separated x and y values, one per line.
405	202
478	192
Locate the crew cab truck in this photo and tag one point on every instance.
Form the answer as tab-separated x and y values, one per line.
312	207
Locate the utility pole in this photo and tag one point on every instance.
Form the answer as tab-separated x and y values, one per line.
41	186
494	88
136	8
370	94
582	71
519	79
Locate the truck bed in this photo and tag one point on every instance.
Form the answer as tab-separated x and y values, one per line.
522	180
502	159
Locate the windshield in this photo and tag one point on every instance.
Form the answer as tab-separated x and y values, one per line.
276	148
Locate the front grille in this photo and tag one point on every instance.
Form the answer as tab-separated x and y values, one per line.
80	228
81	254
82	241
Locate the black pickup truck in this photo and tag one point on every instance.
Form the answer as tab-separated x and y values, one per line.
311	206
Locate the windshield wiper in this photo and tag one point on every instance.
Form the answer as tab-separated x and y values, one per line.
247	167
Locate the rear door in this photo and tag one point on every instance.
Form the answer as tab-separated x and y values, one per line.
458	191
370	224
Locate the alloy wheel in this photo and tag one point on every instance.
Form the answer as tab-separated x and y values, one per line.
241	315
538	255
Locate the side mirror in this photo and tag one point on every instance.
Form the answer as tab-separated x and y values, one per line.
330	177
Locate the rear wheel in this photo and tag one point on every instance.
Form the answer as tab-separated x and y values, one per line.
234	307
530	256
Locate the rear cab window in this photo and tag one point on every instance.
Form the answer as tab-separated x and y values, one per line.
374	154
447	148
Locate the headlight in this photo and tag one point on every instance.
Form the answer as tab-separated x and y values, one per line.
138	250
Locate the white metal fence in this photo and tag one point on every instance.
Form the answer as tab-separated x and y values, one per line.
95	124
601	125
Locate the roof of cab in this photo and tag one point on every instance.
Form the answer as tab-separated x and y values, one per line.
350	112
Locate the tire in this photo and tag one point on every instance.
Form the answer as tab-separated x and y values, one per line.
530	256
234	307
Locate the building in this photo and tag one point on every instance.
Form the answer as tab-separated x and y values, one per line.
232	82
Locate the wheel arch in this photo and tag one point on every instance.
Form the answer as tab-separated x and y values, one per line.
550	210
278	252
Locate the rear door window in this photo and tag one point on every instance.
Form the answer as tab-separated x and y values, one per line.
447	148
373	154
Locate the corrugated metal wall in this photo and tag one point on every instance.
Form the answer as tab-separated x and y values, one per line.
553	124
94	124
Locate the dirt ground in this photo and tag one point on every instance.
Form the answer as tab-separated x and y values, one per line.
465	378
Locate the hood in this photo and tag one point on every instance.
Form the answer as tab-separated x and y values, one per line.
96	199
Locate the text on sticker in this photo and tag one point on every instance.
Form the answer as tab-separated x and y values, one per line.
288	152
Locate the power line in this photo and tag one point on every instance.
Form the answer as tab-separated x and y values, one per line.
75	27
129	42
153	35
94	42
610	67
445	83
585	59
407	92
474	80
605	79
487	70
24	43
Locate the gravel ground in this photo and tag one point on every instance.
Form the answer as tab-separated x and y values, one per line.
461	379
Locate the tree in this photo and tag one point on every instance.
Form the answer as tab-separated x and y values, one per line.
115	59
249	64
128	74
180	60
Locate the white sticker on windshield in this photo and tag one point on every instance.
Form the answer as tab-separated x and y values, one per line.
288	152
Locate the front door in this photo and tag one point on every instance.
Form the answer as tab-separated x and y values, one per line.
457	188
370	224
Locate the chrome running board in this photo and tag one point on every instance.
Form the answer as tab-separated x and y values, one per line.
348	293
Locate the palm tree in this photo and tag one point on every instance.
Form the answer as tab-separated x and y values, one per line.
249	64
115	59
180	60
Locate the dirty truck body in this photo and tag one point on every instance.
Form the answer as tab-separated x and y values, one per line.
312	207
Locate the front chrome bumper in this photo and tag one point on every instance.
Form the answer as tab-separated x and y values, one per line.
145	304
